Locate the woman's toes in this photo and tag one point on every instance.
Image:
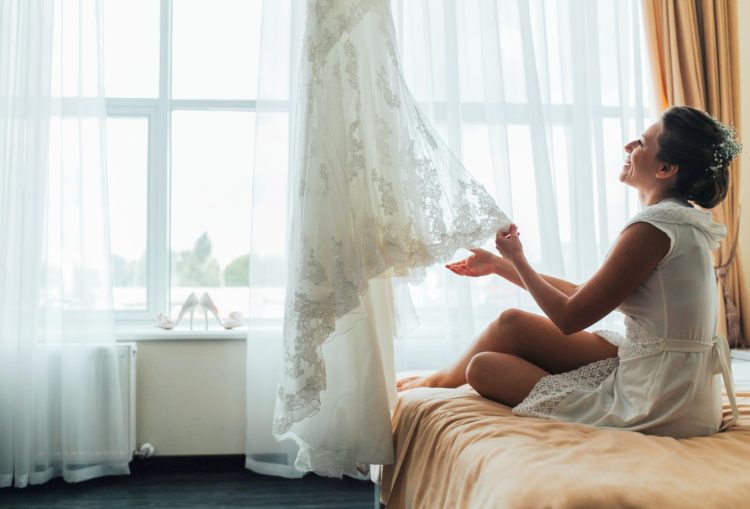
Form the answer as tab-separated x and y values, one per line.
404	383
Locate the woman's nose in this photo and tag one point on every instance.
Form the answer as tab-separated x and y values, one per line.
629	146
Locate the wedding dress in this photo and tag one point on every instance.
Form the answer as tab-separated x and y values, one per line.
375	194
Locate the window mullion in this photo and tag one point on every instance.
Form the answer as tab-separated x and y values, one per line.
159	195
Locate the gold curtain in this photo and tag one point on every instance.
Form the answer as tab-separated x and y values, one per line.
694	50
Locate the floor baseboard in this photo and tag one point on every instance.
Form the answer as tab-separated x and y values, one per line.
189	464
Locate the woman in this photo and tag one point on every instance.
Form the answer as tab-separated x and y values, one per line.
659	378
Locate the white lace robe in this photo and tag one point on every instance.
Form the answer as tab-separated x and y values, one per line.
376	194
665	379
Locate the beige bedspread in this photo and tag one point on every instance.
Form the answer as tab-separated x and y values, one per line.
455	449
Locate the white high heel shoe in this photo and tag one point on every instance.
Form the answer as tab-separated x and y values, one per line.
190	305
228	323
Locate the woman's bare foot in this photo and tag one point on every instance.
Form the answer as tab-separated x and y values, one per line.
404	384
412	382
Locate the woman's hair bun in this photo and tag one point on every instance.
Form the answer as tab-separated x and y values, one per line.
702	148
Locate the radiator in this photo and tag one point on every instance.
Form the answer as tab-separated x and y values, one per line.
126	356
92	360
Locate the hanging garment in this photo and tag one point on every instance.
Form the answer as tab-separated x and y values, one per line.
375	194
665	378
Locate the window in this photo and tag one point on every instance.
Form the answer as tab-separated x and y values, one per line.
180	106
182	102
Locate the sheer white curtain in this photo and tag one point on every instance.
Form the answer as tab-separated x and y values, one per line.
60	400
536	98
282	26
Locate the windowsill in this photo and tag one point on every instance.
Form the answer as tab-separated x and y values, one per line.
742	354
144	333
741	370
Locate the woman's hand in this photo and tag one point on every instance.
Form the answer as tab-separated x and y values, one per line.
508	243
480	263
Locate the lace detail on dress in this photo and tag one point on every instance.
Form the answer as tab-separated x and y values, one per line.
671	211
552	389
379	193
640	342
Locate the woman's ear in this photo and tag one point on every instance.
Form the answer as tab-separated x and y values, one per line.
667	171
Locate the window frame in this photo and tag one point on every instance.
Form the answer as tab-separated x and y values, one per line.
158	196
159	111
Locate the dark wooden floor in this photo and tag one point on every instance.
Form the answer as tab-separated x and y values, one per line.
194	490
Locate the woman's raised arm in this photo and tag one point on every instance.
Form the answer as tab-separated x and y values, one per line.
482	263
637	252
506	270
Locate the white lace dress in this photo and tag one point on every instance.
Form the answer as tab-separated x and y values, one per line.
376	194
665	378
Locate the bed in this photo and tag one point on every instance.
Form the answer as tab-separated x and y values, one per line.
456	449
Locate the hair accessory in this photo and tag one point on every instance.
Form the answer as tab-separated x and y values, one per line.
727	149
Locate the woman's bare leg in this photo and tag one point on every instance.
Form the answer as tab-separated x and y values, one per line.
529	337
503	377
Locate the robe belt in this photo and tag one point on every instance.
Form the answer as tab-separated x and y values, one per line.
722	364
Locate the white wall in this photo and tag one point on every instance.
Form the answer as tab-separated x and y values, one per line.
191	393
191	396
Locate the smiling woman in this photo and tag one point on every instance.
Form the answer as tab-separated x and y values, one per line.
660	377
689	144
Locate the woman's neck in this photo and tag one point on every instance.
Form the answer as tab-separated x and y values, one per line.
654	196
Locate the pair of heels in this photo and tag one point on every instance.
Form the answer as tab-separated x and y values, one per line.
206	304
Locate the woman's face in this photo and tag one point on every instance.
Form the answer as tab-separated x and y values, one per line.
641	165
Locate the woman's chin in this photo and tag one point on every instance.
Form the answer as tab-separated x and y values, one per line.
625	174
628	182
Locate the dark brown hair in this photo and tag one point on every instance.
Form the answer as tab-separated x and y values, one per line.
689	140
